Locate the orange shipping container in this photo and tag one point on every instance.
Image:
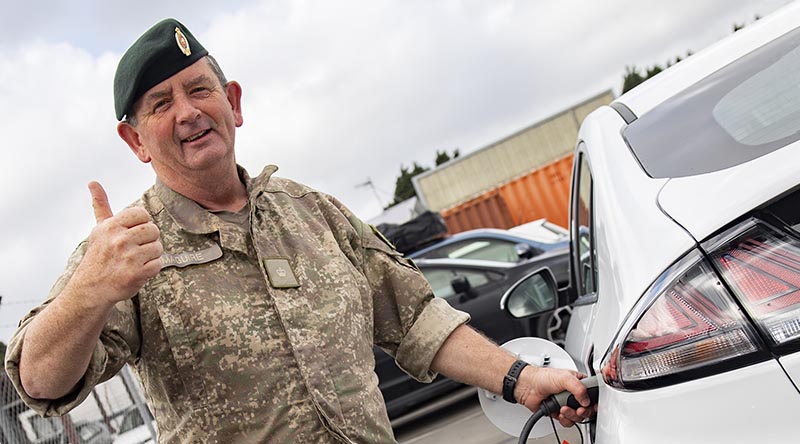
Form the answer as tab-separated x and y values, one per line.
542	193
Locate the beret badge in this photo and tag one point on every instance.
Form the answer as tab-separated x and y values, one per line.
183	44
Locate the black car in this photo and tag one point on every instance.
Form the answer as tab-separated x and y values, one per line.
476	287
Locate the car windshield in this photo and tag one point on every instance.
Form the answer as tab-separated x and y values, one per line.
741	112
468	250
485	249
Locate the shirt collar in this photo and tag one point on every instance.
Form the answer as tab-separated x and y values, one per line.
192	217
259	183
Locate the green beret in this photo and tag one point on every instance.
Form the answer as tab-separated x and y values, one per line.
161	52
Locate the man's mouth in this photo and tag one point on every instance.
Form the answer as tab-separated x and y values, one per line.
196	136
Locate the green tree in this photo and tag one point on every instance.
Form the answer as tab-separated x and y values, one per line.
634	77
404	188
654	70
442	156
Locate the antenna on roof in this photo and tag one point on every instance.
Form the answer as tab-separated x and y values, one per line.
368	183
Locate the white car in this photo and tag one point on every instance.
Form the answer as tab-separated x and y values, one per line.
685	247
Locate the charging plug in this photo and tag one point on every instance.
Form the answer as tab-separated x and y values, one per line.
553	404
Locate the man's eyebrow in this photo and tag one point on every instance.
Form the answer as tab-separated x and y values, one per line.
166	92
158	94
202	78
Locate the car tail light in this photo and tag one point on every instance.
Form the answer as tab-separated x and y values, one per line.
686	322
708	314
761	265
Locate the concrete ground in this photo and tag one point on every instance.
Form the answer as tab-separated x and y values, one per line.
465	423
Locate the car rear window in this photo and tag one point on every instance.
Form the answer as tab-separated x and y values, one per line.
743	111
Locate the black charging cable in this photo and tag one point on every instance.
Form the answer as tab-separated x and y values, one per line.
553	404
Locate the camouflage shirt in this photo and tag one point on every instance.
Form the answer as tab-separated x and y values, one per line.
266	334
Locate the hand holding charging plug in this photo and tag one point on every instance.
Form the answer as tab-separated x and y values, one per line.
536	384
553	405
546	369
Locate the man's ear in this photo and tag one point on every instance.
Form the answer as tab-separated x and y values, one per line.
234	93
130	135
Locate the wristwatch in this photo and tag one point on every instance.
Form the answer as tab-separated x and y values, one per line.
510	380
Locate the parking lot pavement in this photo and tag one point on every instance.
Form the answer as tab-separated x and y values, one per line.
465	423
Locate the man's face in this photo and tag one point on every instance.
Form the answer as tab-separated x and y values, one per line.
186	124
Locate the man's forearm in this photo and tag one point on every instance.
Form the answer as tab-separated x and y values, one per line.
469	357
58	345
122	253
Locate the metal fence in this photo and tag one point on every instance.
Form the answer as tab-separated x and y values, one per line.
115	413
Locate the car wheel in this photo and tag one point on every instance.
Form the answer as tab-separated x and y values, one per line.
554	327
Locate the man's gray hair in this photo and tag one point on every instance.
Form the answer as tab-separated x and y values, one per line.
130	117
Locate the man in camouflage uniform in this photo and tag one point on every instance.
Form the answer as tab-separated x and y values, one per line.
248	307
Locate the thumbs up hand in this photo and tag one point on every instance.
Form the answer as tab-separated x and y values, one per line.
123	251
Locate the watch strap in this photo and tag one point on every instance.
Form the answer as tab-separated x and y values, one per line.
510	380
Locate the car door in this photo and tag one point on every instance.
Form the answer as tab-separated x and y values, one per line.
482	301
583	268
483	306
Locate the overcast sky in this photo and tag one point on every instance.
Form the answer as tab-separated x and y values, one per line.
334	92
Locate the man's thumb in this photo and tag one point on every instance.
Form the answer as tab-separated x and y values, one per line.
102	210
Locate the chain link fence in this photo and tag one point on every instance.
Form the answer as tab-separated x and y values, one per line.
115	413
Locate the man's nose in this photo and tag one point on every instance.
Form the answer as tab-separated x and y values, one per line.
186	110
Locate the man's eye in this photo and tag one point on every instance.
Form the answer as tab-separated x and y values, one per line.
160	105
199	91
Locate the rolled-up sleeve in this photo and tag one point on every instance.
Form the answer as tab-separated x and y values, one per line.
427	334
119	341
410	323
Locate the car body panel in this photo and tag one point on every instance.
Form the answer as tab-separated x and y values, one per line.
726	406
729	194
791	364
578	342
625	222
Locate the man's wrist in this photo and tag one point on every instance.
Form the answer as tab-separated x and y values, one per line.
510	380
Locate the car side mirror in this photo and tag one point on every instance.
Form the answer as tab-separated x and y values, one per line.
534	294
524	251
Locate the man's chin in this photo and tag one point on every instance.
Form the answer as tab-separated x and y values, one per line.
206	158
